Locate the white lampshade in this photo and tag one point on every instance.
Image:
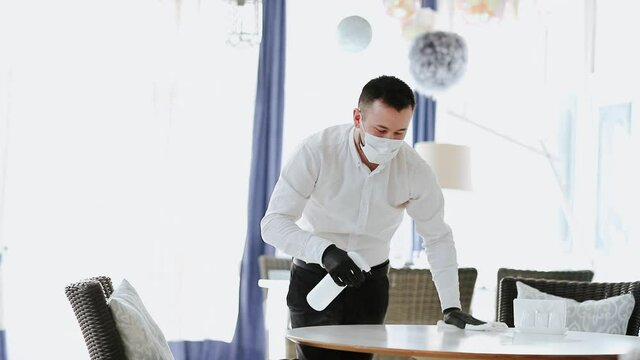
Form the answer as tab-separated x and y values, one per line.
451	163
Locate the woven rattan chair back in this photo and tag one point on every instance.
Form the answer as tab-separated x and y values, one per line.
269	262
413	298
569	275
88	300
577	290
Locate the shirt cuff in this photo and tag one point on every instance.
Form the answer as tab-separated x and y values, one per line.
315	248
447	284
451	303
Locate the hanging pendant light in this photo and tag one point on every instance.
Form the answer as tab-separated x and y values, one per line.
246	23
422	21
482	11
354	34
401	9
437	60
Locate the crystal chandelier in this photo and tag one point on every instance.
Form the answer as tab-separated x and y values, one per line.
246	23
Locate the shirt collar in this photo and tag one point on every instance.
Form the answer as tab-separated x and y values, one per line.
356	156
352	148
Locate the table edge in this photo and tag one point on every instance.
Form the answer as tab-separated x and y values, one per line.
443	355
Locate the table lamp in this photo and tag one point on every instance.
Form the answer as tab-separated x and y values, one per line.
451	163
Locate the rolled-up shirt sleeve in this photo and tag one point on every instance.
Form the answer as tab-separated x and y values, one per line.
288	200
426	207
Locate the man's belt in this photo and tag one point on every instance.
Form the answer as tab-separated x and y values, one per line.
376	271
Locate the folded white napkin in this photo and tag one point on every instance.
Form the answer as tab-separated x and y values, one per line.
489	326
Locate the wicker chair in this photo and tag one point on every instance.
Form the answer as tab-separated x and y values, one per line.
569	275
577	290
413	298
88	299
268	263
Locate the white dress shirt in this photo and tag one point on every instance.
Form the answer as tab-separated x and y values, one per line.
325	195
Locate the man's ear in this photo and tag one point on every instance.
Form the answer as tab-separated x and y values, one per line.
357	117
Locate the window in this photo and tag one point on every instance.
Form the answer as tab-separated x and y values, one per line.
520	97
614	157
126	118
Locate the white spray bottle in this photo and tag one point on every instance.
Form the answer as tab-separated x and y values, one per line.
323	294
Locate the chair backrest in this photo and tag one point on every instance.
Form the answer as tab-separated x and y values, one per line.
88	299
569	275
577	290
270	262
413	298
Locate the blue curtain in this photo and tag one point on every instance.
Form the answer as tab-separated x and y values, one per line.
424	125
265	168
3	346
424	119
3	342
424	129
249	340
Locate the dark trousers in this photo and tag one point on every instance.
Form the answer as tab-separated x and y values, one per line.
366	304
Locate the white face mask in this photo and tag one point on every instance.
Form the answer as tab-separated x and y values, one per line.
379	150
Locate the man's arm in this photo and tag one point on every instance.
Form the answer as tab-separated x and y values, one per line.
290	195
427	209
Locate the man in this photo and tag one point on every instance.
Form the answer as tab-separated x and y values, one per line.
346	188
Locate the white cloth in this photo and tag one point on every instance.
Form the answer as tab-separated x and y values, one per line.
488	326
633	354
325	195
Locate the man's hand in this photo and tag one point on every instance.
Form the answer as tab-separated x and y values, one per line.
341	268
457	317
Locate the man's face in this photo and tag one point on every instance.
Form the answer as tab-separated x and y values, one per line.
383	121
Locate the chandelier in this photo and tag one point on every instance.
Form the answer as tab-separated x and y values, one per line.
246	23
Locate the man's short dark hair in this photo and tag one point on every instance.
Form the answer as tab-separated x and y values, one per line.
390	90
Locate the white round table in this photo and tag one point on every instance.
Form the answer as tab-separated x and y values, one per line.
434	342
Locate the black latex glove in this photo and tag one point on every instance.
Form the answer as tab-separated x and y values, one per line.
457	317
341	268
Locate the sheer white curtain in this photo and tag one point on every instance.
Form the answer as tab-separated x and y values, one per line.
612	143
519	75
128	129
546	75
